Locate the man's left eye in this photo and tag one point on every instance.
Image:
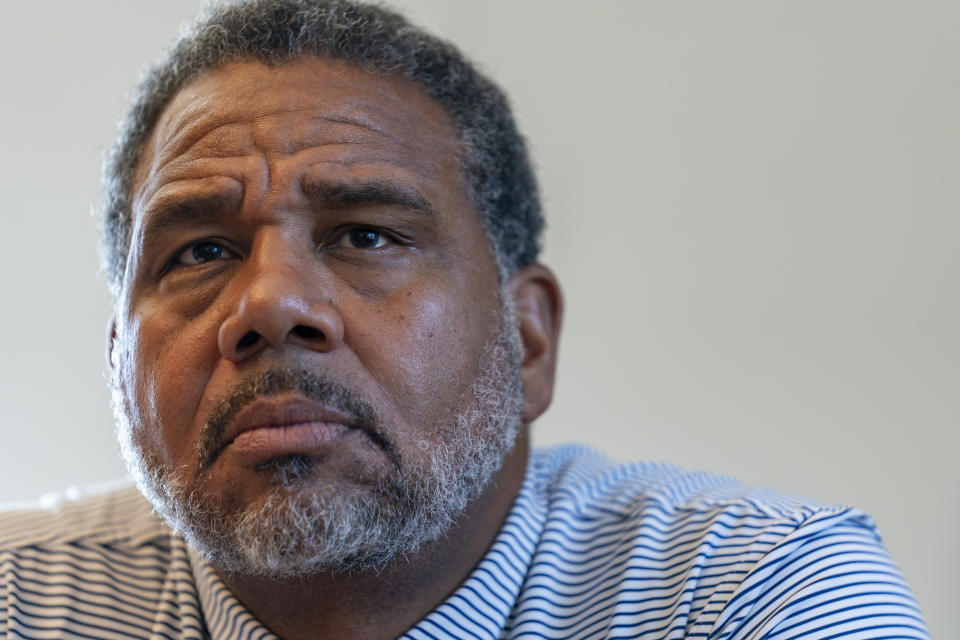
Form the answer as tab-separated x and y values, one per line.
364	239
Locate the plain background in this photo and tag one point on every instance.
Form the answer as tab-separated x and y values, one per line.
753	208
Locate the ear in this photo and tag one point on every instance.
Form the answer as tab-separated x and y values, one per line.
539	304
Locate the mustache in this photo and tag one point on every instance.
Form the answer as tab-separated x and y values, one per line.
274	382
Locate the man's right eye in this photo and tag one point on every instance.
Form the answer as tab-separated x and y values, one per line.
201	252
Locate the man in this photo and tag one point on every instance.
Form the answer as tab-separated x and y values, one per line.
331	333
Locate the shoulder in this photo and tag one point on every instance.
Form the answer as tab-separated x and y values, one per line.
664	550
587	484
93	564
588	496
110	514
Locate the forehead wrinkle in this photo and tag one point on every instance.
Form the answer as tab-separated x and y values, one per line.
179	169
198	122
323	190
194	146
231	119
380	106
192	201
362	123
184	136
283	134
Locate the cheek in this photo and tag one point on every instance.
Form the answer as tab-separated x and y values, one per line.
425	356
167	376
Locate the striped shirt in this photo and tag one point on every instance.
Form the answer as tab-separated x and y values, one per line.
590	549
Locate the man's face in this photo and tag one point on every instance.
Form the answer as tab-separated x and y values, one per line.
311	309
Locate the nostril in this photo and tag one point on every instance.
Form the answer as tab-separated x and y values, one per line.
308	333
249	339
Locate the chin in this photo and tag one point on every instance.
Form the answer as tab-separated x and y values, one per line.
338	513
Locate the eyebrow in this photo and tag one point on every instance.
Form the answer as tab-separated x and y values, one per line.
322	191
176	213
173	214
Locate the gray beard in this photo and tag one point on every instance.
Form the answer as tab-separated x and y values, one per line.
300	530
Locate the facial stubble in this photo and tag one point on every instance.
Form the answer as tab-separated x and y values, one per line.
301	528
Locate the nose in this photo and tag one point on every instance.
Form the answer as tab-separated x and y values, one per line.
279	303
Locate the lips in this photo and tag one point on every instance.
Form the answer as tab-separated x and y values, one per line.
284	424
274	412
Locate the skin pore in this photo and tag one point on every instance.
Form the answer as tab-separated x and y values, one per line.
311	216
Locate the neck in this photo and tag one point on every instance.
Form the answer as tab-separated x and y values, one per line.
338	606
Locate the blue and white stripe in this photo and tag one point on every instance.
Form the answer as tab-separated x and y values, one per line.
590	549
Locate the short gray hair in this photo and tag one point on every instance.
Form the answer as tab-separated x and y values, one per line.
497	174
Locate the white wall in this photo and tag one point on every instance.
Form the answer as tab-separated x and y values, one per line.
753	207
